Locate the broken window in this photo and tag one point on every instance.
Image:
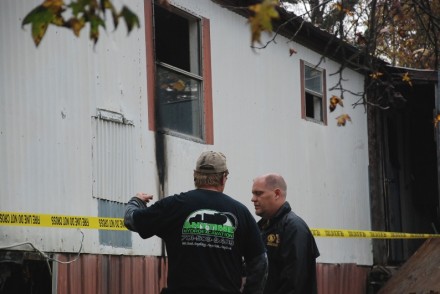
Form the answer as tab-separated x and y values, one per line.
313	94
179	80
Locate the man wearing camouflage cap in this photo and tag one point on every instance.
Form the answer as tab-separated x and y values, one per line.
207	234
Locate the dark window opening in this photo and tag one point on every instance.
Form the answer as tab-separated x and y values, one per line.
313	106
171	39
179	86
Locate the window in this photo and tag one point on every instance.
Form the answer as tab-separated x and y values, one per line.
178	50
313	98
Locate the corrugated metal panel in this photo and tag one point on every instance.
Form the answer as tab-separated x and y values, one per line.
107	274
113	160
346	278
110	274
420	274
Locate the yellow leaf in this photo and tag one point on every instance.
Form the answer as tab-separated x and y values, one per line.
348	12
55	6
261	20
406	78
342	119
376	75
76	25
436	120
338	6
334	101
53	3
179	85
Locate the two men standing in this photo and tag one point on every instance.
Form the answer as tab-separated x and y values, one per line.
208	236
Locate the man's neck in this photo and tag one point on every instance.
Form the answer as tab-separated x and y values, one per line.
213	188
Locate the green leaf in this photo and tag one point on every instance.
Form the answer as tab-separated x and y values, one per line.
79	7
50	12
107	4
130	18
37	14
39	18
38	31
95	22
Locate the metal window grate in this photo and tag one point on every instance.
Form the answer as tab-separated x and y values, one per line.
112	157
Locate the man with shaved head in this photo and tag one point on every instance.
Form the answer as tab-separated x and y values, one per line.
291	247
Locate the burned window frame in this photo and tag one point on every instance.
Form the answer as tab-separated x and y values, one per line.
204	121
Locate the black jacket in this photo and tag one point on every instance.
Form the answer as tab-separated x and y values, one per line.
292	253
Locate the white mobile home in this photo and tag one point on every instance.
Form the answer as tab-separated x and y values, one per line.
84	127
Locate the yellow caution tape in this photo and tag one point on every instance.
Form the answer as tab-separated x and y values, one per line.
369	234
60	221
109	223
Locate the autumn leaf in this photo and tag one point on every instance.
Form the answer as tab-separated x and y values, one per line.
292	51
360	39
179	85
409	42
338	6
406	78
81	12
49	12
348	12
261	20
54	3
76	25
376	75
130	18
334	101
77	7
436	120
342	119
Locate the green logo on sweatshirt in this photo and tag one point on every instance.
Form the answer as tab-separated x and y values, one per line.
209	228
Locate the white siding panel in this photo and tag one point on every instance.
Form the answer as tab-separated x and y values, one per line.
258	125
48	96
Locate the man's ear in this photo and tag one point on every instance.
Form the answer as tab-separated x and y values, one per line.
277	193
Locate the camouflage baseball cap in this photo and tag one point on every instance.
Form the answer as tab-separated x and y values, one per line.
211	162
